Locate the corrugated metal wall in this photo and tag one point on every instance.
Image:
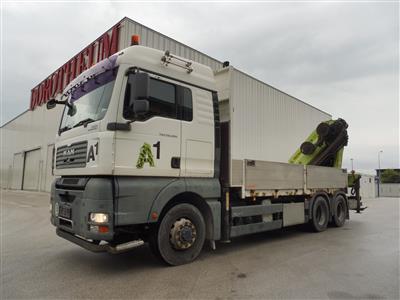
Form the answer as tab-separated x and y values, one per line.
154	39
32	130
266	123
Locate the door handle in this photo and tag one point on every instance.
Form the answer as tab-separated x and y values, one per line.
175	162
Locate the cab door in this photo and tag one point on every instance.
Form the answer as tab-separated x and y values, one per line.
197	147
152	146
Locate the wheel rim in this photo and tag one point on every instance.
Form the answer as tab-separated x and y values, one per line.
182	234
320	215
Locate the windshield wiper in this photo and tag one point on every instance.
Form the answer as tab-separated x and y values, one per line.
84	122
65	128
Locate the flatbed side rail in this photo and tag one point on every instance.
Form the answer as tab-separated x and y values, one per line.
266	179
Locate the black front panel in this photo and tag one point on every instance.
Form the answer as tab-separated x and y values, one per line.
74	198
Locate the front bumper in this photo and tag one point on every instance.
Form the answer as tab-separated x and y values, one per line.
81	242
98	247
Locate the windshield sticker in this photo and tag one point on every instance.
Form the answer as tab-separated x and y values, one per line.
93	83
102	66
145	156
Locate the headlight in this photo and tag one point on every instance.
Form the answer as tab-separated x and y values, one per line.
98	217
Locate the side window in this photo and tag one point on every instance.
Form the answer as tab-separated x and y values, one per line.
187	104
165	100
162	99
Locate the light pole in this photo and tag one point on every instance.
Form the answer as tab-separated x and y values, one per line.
352	167
379	171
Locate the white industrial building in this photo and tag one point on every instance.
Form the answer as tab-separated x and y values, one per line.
28	139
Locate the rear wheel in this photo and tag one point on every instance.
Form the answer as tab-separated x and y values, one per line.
180	235
339	211
320	214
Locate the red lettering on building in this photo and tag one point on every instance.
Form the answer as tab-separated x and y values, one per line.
68	74
65	70
34	98
109	47
60	81
98	50
47	90
81	63
89	54
102	48
41	94
54	81
73	68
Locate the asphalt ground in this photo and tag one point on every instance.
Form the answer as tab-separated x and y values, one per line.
357	261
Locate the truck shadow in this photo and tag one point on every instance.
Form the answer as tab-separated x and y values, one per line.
141	258
270	237
261	238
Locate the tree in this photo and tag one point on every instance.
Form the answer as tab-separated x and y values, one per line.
390	176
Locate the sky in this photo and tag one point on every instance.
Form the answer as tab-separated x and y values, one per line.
341	57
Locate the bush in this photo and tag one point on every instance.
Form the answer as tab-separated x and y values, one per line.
390	176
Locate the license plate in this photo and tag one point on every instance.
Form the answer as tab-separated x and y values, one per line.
64	212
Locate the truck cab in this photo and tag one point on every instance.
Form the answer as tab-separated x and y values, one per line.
143	131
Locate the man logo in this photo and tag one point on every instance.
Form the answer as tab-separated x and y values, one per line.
68	152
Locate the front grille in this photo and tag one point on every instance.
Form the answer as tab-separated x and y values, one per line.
72	156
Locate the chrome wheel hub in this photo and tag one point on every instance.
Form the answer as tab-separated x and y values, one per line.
183	234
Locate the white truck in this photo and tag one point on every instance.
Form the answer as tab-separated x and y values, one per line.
147	152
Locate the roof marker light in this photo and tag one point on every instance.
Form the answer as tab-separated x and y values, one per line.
135	39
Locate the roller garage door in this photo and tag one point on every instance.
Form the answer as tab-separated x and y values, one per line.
32	170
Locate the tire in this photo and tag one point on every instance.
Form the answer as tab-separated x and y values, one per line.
180	235
339	211
320	214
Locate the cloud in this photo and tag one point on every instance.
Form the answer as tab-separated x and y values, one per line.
340	57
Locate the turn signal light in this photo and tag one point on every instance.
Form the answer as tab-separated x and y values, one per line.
103	229
99	229
154	215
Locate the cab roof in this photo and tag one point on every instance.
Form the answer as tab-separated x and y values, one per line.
173	66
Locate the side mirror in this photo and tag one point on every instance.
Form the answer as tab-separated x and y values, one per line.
51	104
141	107
139	84
71	109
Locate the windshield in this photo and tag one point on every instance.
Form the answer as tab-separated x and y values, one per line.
91	100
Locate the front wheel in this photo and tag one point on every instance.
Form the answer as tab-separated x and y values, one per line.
180	236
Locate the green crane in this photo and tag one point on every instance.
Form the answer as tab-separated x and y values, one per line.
324	146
